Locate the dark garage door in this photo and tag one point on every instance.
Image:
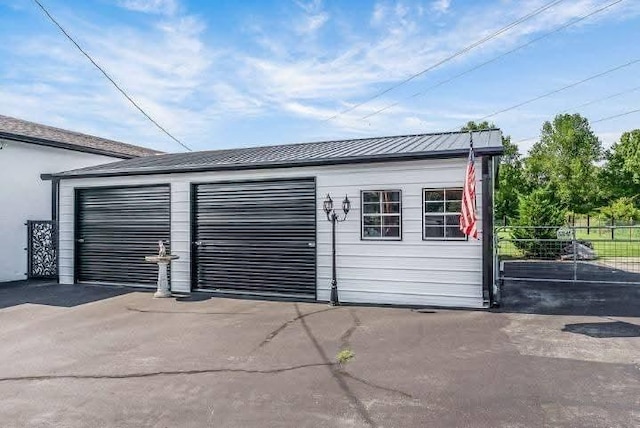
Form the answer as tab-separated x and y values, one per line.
256	238
115	228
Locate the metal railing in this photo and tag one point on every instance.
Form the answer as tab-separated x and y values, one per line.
606	254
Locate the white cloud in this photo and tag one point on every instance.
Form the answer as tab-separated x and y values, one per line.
193	83
441	6
313	18
160	7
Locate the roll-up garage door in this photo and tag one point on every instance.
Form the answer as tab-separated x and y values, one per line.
256	238
115	228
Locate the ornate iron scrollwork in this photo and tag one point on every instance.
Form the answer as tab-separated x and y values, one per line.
42	254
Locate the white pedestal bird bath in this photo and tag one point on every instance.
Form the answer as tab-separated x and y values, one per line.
163	260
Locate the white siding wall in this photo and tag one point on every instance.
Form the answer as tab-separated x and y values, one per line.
24	196
411	271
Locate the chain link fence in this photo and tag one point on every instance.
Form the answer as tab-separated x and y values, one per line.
604	254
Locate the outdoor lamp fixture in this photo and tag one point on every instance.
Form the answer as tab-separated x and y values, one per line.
335	218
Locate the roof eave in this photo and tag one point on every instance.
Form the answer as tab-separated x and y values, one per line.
60	145
486	151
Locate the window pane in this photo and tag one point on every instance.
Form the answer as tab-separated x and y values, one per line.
434	220
434	207
454	207
434	232
391	208
371	208
391	232
391	220
433	195
453	220
371	196
392	196
454	194
371	232
454	232
371	220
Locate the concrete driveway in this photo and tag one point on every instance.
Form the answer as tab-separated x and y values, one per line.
87	356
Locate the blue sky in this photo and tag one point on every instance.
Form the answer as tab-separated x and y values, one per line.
220	74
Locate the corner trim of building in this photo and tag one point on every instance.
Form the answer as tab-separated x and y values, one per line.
487	230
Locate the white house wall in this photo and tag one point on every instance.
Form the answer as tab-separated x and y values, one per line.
410	271
25	196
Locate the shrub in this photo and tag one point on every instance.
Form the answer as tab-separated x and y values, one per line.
538	222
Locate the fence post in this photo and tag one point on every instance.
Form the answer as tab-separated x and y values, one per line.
504	220
588	224
613	228
575	256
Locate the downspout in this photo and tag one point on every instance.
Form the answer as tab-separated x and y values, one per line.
55	201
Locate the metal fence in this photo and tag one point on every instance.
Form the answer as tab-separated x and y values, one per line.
604	254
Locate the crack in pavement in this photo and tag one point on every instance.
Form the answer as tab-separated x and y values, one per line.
278	330
336	373
376	386
163	373
154	311
347	334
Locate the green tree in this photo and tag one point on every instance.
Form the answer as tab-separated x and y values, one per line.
473	126
620	175
621	209
510	180
565	158
538	208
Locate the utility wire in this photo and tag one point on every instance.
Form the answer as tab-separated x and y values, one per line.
608	97
604	119
449	58
46	12
615	116
530	42
555	91
588	103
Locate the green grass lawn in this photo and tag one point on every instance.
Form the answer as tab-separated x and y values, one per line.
626	242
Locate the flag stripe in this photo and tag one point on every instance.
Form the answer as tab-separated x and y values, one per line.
468	215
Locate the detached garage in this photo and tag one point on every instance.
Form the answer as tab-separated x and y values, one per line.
250	221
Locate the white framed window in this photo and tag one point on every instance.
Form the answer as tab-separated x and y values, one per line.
381	214
441	214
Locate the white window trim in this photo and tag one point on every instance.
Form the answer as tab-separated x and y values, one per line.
362	216
439	214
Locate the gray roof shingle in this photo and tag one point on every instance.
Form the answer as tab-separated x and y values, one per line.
35	133
441	145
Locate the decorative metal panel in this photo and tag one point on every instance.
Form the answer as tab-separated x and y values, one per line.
116	228
41	249
256	238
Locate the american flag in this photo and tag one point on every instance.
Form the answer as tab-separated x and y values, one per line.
468	217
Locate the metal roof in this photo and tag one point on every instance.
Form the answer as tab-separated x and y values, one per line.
378	149
15	129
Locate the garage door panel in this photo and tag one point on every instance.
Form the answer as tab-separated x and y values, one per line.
116	228
256	237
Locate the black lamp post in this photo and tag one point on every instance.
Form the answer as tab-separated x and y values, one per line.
334	218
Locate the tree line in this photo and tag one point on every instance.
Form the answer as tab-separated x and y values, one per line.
568	172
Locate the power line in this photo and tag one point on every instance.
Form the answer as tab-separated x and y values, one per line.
615	116
608	97
46	12
588	103
564	88
604	119
449	58
530	42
